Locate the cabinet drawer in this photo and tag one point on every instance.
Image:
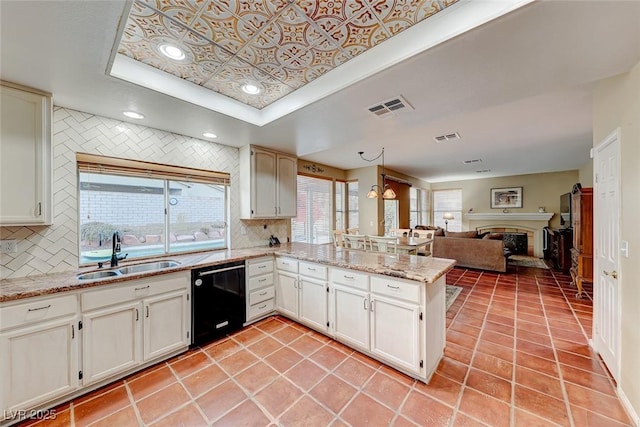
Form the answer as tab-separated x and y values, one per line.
135	289
287	264
38	310
260	281
350	278
261	309
396	289
261	295
260	267
313	270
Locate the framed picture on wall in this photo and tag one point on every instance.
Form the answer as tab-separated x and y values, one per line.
508	197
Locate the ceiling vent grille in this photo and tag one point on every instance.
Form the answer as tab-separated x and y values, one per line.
468	162
447	138
390	107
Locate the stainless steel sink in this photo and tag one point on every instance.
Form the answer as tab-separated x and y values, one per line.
98	275
148	266
129	269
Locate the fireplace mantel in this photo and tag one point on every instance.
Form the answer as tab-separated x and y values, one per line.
534	221
511	216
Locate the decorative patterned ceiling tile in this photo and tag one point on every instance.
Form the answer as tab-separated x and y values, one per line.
295	78
266	8
280	45
150	24
183	11
294	55
363	33
427	8
229	32
188	70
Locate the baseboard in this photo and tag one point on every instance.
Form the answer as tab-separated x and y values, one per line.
635	419
627	405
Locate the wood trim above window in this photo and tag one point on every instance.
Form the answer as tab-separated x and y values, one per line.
115	166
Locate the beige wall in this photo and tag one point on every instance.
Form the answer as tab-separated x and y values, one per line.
543	189
585	174
617	104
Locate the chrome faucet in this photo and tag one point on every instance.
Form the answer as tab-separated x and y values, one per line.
115	257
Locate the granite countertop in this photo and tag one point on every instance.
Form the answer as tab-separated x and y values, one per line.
420	269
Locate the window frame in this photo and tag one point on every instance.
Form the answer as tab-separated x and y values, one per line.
437	218
165	175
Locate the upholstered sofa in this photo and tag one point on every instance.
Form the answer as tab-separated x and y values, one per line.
473	252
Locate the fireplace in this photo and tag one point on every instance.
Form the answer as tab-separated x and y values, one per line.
517	243
530	224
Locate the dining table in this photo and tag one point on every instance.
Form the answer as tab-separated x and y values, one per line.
411	245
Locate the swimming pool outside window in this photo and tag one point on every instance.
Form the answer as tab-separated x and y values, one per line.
155	213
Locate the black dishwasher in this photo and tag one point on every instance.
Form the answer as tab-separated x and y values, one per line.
218	304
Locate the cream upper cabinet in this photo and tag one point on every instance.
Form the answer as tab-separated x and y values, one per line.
268	182
25	157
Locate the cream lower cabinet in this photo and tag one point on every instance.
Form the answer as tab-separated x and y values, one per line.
301	292
260	289
395	334
126	325
350	300
398	322
38	352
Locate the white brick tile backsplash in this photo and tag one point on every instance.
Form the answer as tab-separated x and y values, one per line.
55	249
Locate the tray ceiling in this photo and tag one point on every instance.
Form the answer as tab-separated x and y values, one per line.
278	46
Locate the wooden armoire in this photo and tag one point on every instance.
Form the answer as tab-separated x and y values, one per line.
582	224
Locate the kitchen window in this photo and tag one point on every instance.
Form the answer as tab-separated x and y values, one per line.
156	209
313	221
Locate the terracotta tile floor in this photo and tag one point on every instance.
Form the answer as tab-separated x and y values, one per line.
516	355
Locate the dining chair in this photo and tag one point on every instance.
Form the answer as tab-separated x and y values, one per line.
383	244
355	241
338	240
428	250
400	232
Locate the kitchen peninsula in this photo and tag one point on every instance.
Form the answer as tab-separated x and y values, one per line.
390	307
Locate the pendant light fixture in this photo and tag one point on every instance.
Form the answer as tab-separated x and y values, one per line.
376	191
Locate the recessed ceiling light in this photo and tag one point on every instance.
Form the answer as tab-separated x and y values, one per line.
133	115
171	51
251	89
209	135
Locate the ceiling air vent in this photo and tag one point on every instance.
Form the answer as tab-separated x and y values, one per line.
390	107
447	138
468	162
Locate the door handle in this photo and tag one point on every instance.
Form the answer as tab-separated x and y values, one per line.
613	274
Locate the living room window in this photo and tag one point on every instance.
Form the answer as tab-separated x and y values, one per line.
346	202
313	221
448	201
418	207
156	209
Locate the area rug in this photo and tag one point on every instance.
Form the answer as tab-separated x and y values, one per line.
527	261
452	293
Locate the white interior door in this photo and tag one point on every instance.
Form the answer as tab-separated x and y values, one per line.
606	307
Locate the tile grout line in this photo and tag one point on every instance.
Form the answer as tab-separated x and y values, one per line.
555	354
475	349
512	409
